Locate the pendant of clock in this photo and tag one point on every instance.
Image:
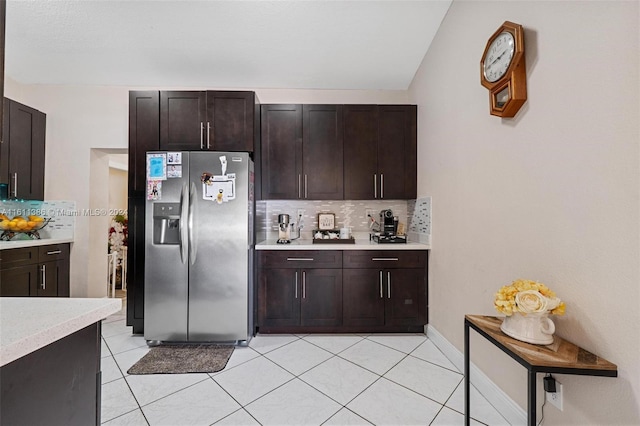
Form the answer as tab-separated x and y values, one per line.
503	70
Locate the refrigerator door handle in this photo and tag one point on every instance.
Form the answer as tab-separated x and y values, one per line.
184	208
193	244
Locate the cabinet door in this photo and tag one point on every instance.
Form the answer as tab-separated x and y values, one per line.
322	152
363	291
21	281
279	297
281	151
182	120
397	151
360	152
405	298
321	303
144	135
26	139
230	121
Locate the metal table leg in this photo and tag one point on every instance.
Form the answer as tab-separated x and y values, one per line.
467	394
531	404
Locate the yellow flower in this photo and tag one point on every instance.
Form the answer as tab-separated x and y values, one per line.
534	297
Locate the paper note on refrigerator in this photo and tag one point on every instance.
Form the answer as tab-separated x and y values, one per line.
219	188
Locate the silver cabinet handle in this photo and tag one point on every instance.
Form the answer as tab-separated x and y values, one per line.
393	259
15	185
290	259
381	294
299	185
375	186
388	284
201	135
381	185
44	277
296	290
305	186
304	285
208	135
54	252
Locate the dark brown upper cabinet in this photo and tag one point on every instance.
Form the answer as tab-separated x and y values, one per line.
281	151
144	135
380	152
322	152
22	151
302	152
207	120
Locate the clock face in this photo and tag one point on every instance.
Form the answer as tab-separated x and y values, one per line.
499	56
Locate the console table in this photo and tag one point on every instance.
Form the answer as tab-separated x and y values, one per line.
560	357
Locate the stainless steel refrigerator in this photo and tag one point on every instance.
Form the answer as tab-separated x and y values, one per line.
199	247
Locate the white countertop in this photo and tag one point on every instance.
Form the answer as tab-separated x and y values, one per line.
360	244
6	245
30	323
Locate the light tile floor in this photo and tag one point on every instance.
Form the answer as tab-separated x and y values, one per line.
292	380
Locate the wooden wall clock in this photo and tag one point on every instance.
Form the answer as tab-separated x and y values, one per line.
503	70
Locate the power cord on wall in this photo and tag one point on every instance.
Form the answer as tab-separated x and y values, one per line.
545	399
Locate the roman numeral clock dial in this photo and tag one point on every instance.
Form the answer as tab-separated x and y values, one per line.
502	70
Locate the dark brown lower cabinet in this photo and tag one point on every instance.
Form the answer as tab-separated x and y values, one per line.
35	271
385	298
301	297
359	291
299	290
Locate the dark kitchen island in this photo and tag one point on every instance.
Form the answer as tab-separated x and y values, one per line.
50	360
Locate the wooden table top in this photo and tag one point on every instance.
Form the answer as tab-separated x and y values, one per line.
561	354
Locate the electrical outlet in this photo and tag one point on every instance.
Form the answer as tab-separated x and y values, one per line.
555	398
300	213
372	213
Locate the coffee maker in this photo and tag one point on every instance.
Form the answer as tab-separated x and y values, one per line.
284	232
389	229
388	224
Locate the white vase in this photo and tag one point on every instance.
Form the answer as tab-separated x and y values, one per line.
531	328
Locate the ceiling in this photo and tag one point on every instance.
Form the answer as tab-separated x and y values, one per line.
220	44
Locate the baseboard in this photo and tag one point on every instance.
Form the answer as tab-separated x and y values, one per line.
511	411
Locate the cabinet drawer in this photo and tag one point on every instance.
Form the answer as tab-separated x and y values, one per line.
53	252
300	259
386	259
18	257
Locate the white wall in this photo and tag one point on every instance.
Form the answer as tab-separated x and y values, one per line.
118	196
551	195
86	119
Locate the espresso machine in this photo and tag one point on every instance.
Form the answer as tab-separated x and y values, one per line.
389	229
284	230
287	229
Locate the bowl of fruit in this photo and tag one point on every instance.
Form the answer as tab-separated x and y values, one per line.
21	225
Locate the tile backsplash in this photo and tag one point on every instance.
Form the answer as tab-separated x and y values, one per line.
420	220
61	213
349	213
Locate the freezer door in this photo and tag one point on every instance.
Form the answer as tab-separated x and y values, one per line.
220	244
166	262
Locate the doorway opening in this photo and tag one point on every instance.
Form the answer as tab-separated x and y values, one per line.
109	229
